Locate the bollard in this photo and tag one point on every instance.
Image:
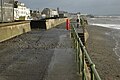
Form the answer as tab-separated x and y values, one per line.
67	24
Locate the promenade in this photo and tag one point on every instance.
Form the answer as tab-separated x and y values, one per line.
39	55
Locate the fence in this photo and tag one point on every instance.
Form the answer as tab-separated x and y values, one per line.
84	64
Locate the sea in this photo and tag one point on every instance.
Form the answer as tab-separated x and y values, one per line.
112	22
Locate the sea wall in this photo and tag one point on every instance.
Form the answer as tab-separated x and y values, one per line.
10	30
47	24
54	22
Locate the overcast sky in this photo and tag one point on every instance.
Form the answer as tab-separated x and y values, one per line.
97	7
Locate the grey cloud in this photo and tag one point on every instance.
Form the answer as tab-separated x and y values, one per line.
86	6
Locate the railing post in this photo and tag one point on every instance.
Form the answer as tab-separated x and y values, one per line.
92	74
80	60
79	57
77	54
74	39
83	65
71	34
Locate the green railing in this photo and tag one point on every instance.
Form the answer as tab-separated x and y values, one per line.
86	67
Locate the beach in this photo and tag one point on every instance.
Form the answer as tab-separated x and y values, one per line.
101	45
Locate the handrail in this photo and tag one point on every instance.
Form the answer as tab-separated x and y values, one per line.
81	54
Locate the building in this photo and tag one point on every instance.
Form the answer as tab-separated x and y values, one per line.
35	14
63	14
21	12
50	13
6	10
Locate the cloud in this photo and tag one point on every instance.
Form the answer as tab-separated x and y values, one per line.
85	6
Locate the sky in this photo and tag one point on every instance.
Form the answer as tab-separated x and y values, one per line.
95	7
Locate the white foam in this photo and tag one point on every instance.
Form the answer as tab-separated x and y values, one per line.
108	16
113	26
93	18
116	48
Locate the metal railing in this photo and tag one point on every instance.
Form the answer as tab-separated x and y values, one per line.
86	67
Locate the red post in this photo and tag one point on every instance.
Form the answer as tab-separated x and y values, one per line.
67	24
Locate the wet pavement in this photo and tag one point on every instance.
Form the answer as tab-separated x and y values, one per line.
39	55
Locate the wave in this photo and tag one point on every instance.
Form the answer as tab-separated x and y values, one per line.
113	26
107	16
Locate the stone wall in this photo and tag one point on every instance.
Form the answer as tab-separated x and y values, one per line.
54	22
10	30
47	24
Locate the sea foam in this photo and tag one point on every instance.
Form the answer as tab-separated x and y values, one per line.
113	26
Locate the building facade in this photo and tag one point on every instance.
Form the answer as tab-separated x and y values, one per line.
35	14
6	10
63	14
21	12
50	13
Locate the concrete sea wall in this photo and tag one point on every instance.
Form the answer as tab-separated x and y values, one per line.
10	30
54	22
47	24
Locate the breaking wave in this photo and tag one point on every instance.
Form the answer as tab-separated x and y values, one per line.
113	26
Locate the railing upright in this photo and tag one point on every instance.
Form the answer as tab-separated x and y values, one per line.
81	54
